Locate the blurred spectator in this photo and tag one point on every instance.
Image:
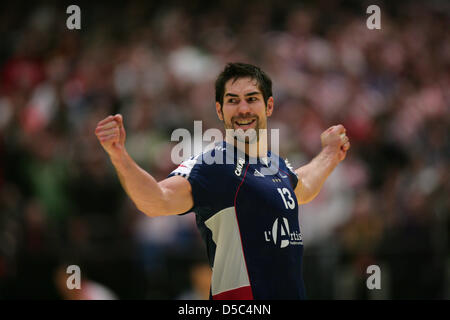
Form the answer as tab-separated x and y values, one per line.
200	280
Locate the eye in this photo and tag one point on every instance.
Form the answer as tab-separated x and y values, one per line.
252	99
232	100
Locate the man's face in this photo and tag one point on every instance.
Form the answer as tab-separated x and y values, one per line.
243	106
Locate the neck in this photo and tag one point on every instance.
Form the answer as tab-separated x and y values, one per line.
256	150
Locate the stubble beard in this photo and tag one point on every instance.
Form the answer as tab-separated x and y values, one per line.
248	136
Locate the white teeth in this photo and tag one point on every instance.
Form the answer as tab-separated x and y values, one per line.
244	123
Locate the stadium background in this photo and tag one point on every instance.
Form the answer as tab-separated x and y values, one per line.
61	202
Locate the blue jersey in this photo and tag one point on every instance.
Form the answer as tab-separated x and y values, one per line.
247	213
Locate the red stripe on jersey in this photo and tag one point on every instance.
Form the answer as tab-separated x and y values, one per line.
242	293
250	295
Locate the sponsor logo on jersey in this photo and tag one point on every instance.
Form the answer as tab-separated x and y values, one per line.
281	235
258	174
240	164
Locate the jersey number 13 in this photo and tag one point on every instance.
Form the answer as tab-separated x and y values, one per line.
289	203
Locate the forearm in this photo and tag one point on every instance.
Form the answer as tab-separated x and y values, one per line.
313	175
140	186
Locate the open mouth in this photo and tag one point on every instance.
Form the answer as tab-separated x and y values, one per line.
244	124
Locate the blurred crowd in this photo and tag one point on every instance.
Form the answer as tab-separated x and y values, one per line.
61	202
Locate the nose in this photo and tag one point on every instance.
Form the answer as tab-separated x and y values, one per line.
243	108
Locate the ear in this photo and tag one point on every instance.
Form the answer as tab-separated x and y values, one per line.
269	107
219	111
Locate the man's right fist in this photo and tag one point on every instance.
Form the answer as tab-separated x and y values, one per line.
111	134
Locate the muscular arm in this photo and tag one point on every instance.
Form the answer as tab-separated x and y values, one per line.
313	175
168	197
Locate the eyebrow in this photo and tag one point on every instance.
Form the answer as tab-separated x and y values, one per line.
246	95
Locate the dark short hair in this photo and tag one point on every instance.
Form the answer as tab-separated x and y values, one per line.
243	70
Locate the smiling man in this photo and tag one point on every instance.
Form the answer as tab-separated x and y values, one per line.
246	208
243	102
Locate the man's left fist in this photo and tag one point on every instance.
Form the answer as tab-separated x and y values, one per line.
335	139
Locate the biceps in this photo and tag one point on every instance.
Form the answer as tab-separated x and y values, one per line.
177	195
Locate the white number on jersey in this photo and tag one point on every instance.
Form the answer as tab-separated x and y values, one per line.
289	203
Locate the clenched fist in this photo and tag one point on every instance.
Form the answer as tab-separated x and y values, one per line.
111	134
335	139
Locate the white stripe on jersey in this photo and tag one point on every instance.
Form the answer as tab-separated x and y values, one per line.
229	269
